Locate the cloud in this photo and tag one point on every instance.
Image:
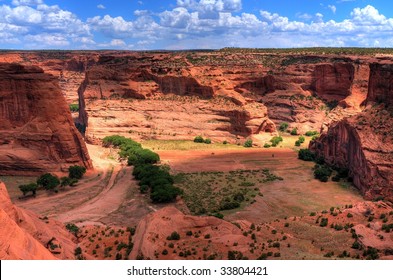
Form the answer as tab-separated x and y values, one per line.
332	8
368	16
177	18
27	2
210	9
189	24
101	7
40	26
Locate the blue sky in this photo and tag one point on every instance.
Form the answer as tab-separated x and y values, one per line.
188	24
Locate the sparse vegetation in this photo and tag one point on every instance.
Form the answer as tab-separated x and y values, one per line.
74	108
48	181
248	143
199	139
25	189
283	126
76	172
306	155
276	140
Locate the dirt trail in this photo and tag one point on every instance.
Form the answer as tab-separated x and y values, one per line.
107	201
96	200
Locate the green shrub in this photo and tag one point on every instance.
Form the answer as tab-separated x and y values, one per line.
199	139
311	133
48	181
174	236
322	173
74	229
225	142
248	143
65	181
294	131
76	171
267	145
227	204
78	251
208	141
298	143
306	155
324	222
283	126
315	137
356	245
32	187
301	139
276	140
74	107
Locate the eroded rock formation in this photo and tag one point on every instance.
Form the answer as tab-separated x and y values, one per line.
364	143
152	232
24	236
37	133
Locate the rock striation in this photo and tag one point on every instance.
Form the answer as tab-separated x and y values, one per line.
37	133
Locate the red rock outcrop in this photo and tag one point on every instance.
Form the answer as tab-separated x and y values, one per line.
364	143
381	83
24	236
333	81
37	133
152	232
136	95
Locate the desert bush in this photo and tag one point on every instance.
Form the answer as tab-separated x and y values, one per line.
248	143
74	229
283	126
48	181
298	143
32	187
324	222
76	171
207	141
74	107
294	131
276	140
199	139
311	133
322	173
65	181
174	236
306	155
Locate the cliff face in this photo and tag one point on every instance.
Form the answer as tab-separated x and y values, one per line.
136	96
381	83
364	143
37	133
333	81
24	236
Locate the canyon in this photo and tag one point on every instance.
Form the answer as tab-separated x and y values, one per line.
226	96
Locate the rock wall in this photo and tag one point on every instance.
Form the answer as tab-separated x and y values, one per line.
364	143
333	81
37	133
381	83
24	236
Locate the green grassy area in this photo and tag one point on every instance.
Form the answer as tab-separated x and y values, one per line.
212	192
289	141
185	145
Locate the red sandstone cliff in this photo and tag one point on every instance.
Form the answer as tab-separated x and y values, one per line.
37	133
24	236
364	143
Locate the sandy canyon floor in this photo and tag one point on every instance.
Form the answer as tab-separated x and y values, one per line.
108	201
